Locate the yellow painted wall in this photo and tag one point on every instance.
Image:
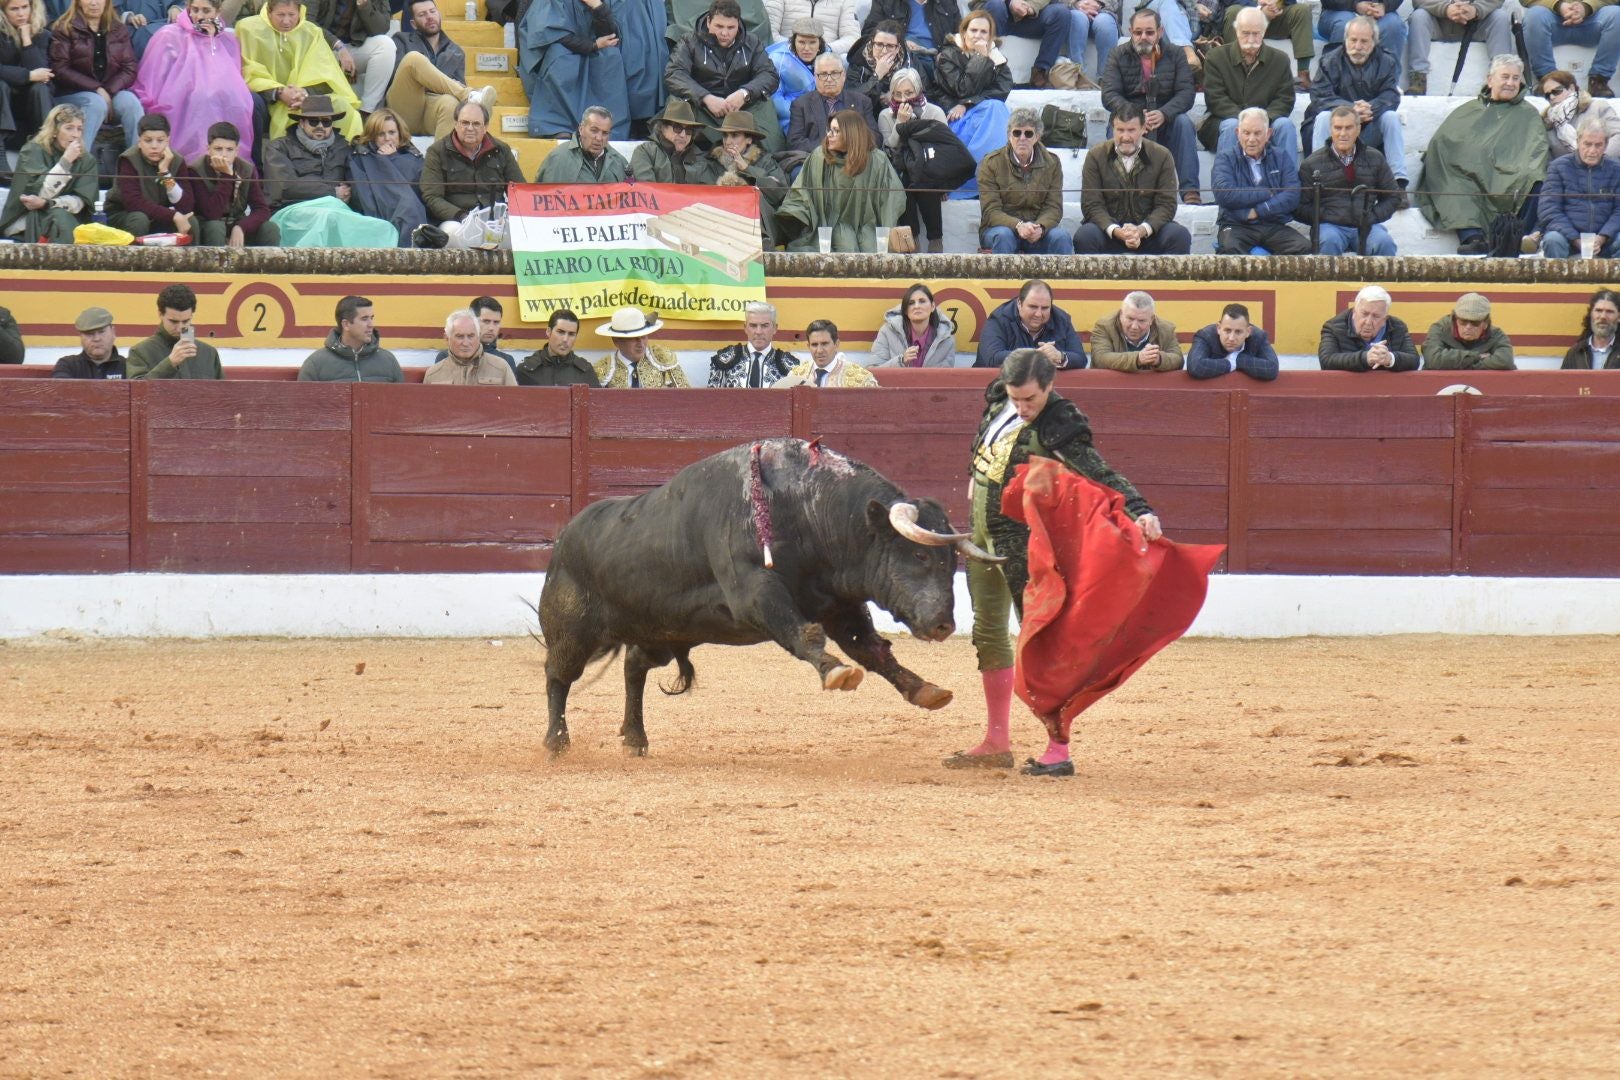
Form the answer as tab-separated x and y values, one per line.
246	312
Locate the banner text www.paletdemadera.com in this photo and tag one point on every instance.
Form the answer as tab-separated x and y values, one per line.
595	304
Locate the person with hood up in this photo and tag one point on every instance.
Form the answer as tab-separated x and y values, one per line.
571	57
351	352
285	59
192	74
795	61
1487	158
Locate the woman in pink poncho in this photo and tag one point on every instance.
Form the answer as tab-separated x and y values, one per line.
192	74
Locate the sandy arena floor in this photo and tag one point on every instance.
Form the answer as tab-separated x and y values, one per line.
1371	857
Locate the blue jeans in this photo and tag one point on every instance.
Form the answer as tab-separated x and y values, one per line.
1384	133
1391	31
1051	26
1283	133
1181	140
126	104
1555	245
1001	240
1177	30
1101	29
1338	240
1543	30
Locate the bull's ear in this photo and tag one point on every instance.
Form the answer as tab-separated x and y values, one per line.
877	518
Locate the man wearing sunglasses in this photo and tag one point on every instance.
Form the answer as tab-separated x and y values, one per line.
311	160
1021	194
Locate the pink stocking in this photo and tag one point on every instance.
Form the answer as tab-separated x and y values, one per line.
998	686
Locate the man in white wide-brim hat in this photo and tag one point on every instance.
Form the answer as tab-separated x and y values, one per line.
635	361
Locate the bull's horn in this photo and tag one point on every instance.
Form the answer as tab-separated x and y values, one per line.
978	554
903	516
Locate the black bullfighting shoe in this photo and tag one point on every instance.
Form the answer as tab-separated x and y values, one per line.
1057	768
959	760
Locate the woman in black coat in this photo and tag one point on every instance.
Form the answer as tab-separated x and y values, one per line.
25	70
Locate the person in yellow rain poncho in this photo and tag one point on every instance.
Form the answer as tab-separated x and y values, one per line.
285	53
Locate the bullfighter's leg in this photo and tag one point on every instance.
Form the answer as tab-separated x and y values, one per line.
763	599
852	628
637	662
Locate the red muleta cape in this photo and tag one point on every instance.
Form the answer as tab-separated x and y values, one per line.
1100	599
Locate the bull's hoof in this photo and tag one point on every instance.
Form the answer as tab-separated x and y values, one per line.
634	751
556	747
843	677
929	696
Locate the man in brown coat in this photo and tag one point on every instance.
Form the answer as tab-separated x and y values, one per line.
1021	193
467	363
1135	338
1128	194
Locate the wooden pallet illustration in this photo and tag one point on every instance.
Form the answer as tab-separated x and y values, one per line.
726	241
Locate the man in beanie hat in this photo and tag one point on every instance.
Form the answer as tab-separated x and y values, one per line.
1465	340
311	160
636	362
98	358
674	155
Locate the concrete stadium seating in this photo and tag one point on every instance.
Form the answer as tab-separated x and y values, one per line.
490	62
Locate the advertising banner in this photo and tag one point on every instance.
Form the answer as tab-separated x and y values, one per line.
686	251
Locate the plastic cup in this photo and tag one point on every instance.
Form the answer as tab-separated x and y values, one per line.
824	236
1588	245
882	239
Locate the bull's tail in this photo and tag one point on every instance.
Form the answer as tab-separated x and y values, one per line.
685	676
539	631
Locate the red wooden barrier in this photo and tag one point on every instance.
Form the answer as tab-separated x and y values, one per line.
244	476
64	478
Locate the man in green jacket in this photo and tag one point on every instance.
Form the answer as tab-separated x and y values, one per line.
174	351
556	363
351	352
1245	74
467	168
1484	159
1465	340
1128	194
1021	193
588	159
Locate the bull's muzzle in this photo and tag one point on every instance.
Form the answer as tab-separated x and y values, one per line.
903	516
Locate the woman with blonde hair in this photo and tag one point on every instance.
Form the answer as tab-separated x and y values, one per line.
971	83
847	184
25	70
54	189
93	59
386	170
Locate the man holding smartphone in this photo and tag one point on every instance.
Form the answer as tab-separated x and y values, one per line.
174	351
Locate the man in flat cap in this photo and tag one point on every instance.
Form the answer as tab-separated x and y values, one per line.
98	356
1465	340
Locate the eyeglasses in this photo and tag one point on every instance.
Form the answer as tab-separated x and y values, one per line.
829	74
899	101
1556	92
883	45
318	121
1022	133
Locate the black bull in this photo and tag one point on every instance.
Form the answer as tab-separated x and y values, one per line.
685	565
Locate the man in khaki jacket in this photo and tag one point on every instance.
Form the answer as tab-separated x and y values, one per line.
1021	193
1136	339
468	364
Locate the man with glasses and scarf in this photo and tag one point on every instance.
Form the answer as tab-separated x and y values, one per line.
311	160
1021	194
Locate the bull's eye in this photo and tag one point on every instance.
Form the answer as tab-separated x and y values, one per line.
922	556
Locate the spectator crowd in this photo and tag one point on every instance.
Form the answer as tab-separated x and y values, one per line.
1134	339
280	122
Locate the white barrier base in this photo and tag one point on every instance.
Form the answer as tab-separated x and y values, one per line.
493	605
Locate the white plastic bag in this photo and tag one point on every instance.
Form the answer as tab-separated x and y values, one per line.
484	228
